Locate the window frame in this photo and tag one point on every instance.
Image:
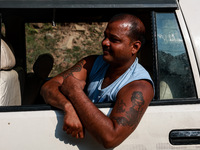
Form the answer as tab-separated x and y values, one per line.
176	101
155	102
88	4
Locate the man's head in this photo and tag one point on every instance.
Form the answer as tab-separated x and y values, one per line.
123	38
136	27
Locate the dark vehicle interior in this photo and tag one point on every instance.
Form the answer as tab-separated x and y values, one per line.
14	14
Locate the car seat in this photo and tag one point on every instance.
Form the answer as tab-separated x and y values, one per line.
165	91
10	93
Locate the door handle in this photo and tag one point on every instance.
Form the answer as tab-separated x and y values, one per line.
184	137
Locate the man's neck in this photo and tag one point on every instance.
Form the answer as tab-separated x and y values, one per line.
114	72
120	68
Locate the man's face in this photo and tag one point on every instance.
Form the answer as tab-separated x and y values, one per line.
117	46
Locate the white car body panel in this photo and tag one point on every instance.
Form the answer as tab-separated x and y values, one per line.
190	50
191	14
43	130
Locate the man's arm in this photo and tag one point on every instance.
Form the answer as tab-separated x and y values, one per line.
132	101
52	95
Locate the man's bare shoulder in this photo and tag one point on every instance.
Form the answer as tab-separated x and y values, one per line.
144	85
91	58
88	62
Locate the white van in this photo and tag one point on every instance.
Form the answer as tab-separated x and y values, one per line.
171	55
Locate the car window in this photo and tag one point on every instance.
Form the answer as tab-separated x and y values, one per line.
66	42
175	76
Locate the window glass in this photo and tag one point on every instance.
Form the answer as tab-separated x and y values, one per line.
175	75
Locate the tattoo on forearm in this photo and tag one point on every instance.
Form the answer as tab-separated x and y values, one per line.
134	114
76	68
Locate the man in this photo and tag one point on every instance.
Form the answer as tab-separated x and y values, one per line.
115	76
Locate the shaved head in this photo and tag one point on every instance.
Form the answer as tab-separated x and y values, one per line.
135	25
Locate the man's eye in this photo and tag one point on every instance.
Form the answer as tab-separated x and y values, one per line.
114	40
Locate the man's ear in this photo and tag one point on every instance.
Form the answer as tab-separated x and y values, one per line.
136	45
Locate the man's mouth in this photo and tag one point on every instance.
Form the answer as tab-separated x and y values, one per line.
106	52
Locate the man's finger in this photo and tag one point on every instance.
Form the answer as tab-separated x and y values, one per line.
81	135
74	133
69	131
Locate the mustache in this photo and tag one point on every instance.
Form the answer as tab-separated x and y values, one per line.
105	48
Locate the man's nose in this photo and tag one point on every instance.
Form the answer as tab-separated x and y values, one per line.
106	42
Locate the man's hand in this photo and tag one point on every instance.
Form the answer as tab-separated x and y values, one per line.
72	124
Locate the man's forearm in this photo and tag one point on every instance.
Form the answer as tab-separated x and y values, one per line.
53	96
98	124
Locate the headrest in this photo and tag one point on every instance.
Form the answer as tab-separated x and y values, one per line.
7	57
